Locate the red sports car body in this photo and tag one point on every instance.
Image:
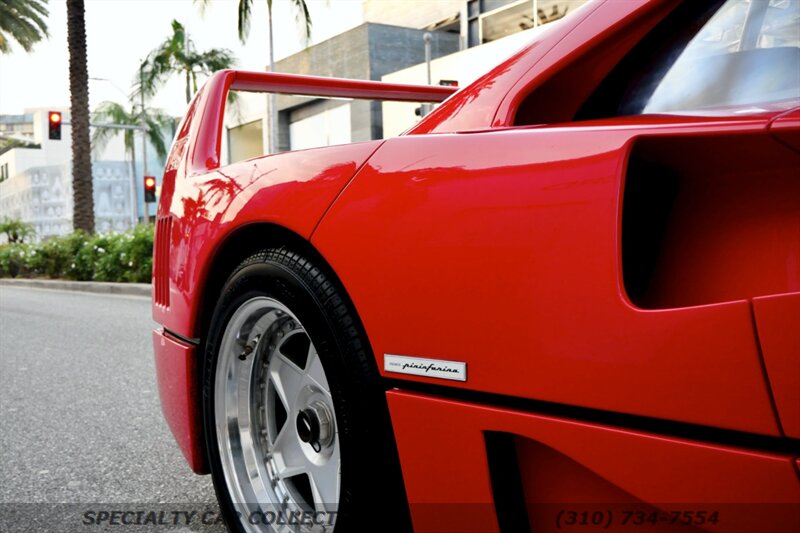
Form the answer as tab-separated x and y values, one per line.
584	315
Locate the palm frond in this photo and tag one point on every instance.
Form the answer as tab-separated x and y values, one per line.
22	21
35	11
178	40
303	17
215	59
202	6
157	122
176	55
159	65
111	113
243	23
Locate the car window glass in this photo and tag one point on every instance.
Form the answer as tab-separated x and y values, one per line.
747	53
707	58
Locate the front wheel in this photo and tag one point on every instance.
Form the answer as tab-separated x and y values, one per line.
296	424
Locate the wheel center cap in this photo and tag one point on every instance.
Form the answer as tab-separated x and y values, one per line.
308	426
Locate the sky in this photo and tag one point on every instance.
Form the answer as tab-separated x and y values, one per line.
120	33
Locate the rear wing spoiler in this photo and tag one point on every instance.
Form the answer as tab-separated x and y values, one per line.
198	142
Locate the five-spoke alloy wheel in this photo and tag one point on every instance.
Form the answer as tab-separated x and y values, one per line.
275	414
295	418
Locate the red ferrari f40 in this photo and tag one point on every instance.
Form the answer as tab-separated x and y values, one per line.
567	299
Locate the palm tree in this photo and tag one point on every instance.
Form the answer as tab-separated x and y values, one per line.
16	230
82	198
154	121
23	21
245	10
177	55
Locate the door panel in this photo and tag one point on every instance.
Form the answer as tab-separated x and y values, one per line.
567	465
778	316
502	250
778	321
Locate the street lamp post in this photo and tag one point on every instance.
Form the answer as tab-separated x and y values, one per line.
132	167
427	38
425	108
146	206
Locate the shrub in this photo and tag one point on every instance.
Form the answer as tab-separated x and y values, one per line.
76	265
54	255
98	253
14	259
112	257
139	250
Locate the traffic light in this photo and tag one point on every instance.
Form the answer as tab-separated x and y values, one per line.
54	122
149	189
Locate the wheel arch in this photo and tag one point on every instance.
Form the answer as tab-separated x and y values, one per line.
237	246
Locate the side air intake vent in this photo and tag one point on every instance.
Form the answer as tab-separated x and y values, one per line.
709	219
161	261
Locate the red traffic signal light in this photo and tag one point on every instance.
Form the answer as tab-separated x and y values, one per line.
149	189
54	125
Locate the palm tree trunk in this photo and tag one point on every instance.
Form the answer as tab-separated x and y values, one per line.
82	196
188	86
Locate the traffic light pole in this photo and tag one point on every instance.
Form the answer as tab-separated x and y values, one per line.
115	126
111	126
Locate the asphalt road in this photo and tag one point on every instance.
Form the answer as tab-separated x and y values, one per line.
80	420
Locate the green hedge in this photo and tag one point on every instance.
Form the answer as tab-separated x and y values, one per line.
113	257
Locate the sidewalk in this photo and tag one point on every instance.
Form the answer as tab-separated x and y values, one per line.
133	289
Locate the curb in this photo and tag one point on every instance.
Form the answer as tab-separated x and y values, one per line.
102	287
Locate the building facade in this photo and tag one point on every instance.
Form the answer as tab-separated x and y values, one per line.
36	177
42	196
390	40
366	52
486	21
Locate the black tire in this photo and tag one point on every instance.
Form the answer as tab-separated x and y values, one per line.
372	496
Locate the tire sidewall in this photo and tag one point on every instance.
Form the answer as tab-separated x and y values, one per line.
275	280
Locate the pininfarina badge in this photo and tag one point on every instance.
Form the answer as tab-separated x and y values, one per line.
419	366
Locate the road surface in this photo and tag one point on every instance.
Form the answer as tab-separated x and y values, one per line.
80	420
